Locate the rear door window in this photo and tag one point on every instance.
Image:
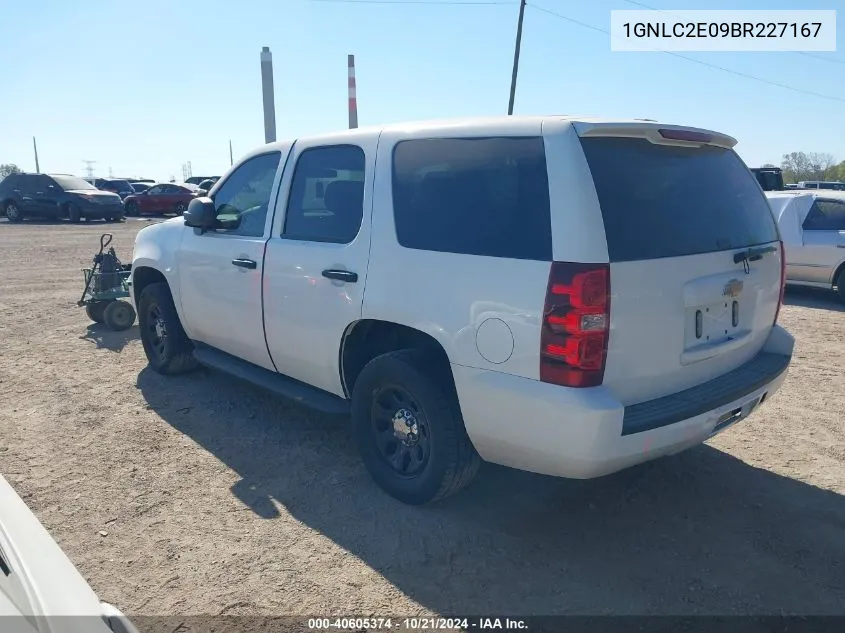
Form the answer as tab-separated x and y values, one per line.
476	196
662	201
826	215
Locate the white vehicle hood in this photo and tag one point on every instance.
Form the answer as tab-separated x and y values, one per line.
790	211
39	582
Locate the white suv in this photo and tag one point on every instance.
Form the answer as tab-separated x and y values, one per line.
568	297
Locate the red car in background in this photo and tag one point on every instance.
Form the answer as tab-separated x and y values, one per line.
160	199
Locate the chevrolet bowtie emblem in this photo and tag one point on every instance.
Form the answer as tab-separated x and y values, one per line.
732	288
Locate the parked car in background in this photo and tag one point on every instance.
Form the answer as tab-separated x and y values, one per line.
206	185
140	186
770	178
822	184
812	226
522	290
196	180
120	187
40	588
56	196
160	199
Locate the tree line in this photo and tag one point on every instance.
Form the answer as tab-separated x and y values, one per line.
798	166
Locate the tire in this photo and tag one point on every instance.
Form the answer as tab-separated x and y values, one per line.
179	209
435	458
13	212
119	315
96	310
74	214
168	349
840	285
131	209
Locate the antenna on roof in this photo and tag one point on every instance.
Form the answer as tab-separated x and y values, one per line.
353	97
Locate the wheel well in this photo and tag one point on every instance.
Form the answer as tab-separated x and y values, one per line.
143	277
366	339
838	272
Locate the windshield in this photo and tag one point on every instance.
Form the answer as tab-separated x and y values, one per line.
72	183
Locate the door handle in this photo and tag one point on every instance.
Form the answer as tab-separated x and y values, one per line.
341	275
244	263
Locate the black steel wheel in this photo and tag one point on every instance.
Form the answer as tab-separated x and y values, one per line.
13	213
119	315
400	430
408	426
96	311
167	347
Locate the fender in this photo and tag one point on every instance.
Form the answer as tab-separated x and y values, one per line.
156	247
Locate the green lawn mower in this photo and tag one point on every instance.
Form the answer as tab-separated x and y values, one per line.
107	283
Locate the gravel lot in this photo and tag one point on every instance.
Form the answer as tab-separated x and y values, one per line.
220	499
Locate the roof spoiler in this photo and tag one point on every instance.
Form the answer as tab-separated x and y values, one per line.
657	133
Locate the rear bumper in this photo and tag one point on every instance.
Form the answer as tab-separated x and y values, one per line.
585	433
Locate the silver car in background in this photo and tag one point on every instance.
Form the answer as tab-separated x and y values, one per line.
812	226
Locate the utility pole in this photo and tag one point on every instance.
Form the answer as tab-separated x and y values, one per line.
353	96
35	149
231	160
89	169
516	55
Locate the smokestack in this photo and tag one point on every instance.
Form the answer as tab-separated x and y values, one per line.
267	92
353	99
35	149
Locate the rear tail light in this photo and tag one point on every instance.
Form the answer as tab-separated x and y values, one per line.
782	279
576	324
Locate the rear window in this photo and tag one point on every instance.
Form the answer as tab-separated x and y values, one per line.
122	185
475	196
665	201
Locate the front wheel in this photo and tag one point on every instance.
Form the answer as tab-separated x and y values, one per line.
840	285
119	315
131	209
74	214
168	349
409	430
13	213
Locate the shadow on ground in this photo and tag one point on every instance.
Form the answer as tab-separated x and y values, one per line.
701	532
105	338
817	298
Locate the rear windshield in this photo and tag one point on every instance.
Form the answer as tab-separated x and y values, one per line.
667	201
122	185
770	180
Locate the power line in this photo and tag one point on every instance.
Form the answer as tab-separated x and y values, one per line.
425	2
698	61
804	53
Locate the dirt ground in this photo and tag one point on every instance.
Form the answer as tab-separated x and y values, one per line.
220	499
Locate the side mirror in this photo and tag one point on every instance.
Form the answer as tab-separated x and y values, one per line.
201	214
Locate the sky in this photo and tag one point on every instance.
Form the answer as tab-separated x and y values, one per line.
144	88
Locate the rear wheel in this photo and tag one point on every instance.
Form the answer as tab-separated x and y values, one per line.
840	285
119	315
13	213
95	311
167	347
408	426
179	209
